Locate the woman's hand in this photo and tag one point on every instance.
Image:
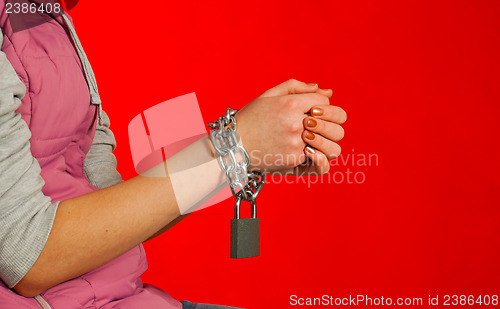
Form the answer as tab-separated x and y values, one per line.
272	128
322	132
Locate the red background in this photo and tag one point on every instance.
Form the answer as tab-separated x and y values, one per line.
420	83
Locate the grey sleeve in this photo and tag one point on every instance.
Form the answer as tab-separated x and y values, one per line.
100	163
26	214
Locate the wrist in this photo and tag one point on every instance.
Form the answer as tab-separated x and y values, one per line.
233	158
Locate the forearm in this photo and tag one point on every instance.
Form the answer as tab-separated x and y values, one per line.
94	228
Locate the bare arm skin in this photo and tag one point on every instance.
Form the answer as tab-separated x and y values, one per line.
93	229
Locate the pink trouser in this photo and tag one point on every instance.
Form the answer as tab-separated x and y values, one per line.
113	285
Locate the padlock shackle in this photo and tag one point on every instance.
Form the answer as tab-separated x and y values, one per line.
237	205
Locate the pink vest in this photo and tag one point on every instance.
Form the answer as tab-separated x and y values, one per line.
62	120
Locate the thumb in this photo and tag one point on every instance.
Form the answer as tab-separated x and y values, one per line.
291	86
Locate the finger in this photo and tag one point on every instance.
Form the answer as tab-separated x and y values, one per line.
319	164
327	129
291	86
326	146
329	113
326	92
306	101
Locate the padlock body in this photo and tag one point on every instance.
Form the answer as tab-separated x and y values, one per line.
245	238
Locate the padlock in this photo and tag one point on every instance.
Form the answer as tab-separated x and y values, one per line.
245	233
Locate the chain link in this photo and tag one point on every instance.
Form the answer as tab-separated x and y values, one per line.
234	159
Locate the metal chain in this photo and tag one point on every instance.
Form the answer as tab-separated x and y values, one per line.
234	159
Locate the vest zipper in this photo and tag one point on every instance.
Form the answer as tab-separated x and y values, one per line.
42	302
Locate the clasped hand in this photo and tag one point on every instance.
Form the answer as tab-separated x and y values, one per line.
292	128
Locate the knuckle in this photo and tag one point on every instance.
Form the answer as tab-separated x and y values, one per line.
295	126
296	144
290	103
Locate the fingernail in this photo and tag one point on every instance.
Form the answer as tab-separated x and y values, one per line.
310	150
312	84
309	135
316	111
311	123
